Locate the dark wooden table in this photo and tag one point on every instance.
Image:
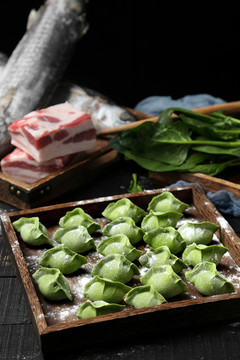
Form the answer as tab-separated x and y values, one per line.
18	339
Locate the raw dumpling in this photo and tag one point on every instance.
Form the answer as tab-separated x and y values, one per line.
164	280
126	226
167	236
118	244
52	284
116	268
154	220
166	202
207	280
105	289
78	217
32	231
162	256
196	253
62	258
75	238
122	208
143	296
96	308
199	233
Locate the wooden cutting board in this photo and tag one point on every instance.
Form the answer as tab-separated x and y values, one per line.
71	177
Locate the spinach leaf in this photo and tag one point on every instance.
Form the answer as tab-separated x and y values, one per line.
210	149
213	169
183	140
135	138
214	132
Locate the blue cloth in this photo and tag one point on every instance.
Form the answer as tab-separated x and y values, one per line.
154	105
224	201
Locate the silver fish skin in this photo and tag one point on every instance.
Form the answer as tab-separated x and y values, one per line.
105	113
39	60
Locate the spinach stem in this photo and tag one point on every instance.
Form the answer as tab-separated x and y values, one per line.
225	144
212	118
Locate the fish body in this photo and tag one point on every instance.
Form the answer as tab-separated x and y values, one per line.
38	61
104	112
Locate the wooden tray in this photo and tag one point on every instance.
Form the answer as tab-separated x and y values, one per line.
71	177
56	323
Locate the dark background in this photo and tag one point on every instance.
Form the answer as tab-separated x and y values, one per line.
135	49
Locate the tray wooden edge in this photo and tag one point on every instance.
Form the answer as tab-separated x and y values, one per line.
23	274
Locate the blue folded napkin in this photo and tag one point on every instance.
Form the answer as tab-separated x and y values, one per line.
224	201
154	105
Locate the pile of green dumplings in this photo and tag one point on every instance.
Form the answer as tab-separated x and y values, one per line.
172	254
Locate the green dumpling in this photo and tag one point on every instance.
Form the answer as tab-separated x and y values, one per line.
122	208
52	284
154	220
162	256
207	280
78	217
196	253
143	296
199	233
116	268
167	236
166	202
105	289
92	309
62	258
126	226
118	244
75	238
164	280
32	231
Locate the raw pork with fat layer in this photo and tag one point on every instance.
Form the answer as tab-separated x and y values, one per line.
19	165
56	131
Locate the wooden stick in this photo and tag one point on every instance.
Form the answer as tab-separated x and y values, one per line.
229	108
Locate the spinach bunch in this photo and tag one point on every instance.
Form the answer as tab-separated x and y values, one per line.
183	140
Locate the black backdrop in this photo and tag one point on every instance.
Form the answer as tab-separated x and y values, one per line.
135	49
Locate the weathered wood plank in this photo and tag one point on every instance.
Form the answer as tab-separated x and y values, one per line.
12	302
19	342
6	265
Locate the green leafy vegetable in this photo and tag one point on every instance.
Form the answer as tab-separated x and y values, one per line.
189	142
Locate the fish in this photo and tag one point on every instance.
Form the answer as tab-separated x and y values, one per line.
104	111
37	64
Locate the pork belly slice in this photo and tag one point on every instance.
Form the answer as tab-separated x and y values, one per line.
20	165
56	131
